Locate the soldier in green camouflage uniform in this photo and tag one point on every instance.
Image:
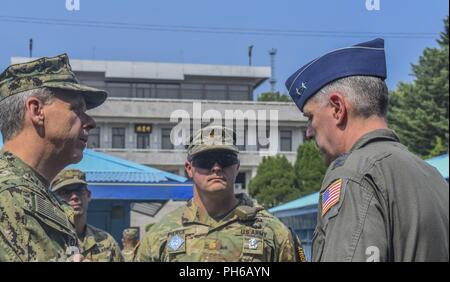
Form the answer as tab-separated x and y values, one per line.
130	241
217	225
44	128
95	244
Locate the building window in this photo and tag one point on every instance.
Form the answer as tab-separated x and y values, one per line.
265	139
94	138
165	139
118	89
118	137
238	92
143	141
240	180
167	91
192	91
286	140
216	92
241	139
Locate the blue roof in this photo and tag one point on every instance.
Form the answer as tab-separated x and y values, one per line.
157	191
100	167
441	164
311	199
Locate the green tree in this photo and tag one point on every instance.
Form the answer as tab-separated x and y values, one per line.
309	169
274	182
274	97
419	110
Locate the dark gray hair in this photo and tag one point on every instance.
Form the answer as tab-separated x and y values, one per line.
12	110
368	95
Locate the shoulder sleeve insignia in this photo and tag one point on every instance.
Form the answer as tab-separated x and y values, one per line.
331	196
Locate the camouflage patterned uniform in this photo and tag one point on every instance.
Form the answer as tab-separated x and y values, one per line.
129	254
96	244
33	222
247	233
99	246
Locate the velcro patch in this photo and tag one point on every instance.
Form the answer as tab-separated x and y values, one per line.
48	210
176	242
331	196
253	245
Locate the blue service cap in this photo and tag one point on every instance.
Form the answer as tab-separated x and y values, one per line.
366	58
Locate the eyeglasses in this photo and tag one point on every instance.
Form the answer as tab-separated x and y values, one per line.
67	193
207	161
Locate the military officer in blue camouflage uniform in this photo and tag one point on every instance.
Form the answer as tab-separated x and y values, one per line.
378	201
45	127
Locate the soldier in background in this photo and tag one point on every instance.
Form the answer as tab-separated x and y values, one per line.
95	244
130	241
378	201
217	225
45	127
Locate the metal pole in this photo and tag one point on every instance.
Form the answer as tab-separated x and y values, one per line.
31	47
250	48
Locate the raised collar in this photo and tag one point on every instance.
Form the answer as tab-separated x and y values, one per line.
376	135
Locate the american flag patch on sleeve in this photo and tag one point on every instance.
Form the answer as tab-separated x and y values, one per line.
331	196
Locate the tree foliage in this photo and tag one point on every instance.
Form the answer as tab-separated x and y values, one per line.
274	182
419	110
277	181
309	169
274	97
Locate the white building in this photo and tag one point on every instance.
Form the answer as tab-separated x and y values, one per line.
134	123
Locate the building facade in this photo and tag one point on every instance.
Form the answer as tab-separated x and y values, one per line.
148	100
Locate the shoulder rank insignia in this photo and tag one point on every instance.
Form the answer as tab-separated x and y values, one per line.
340	161
175	242
331	196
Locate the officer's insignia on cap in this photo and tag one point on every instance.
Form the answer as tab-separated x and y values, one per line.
175	242
253	243
364	59
301	89
331	196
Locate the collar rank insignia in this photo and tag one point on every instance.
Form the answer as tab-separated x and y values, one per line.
175	242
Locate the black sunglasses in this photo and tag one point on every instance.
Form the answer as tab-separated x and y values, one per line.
207	161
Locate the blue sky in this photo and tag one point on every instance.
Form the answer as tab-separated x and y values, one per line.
223	30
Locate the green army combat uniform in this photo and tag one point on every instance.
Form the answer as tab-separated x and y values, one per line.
99	246
33	222
247	233
379	202
129	253
95	244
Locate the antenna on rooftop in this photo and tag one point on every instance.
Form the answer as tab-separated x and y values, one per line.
272	81
250	49
31	47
